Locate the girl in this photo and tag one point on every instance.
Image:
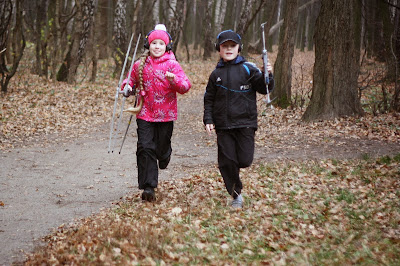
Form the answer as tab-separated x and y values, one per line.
157	76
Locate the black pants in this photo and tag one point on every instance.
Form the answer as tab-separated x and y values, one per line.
154	143
235	151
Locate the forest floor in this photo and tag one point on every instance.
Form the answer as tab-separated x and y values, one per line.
56	169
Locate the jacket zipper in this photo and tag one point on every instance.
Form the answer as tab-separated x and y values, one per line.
228	113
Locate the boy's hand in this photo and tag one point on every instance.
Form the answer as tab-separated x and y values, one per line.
209	128
170	76
269	67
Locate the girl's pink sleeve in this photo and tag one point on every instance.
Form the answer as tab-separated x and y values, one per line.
181	83
132	80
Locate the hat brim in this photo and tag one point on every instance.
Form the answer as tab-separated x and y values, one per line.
223	41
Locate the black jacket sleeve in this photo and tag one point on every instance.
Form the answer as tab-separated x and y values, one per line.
271	84
209	97
257	79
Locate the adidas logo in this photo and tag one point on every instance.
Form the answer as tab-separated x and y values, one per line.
218	79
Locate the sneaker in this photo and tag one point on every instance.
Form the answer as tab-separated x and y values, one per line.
148	194
164	163
238	202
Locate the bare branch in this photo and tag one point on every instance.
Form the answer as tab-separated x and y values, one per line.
280	22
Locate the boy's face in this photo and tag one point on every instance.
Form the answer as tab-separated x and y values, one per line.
228	50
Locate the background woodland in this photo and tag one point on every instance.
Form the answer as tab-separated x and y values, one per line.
59	36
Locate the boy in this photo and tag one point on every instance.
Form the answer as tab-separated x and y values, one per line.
230	107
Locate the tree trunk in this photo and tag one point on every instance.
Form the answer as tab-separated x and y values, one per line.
395	104
84	24
6	11
283	63
208	38
93	48
176	22
54	9
244	17
83	21
388	31
18	43
102	27
314	14
41	32
336	68
145	21
247	16
198	23
219	21
120	36
273	14
307	29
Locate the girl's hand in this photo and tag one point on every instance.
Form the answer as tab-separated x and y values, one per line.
209	128
127	91
170	76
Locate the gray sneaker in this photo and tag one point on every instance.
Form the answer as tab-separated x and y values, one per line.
238	202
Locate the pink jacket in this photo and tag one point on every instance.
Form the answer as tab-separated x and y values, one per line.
160	99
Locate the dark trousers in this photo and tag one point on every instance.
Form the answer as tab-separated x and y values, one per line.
235	151
154	143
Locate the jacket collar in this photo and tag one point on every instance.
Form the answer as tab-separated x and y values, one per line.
239	59
165	57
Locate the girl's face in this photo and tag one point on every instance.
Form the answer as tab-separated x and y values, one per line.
157	48
229	50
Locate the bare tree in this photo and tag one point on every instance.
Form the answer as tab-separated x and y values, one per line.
54	9
176	21
279	23
102	26
283	63
83	21
247	15
37	20
42	36
208	33
336	69
395	105
92	45
145	20
120	35
6	10
273	15
87	14
16	40
220	15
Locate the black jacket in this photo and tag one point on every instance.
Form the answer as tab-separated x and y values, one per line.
230	100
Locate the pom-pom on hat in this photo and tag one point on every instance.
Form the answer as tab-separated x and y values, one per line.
159	32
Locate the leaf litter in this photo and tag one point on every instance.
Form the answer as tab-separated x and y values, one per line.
296	212
314	212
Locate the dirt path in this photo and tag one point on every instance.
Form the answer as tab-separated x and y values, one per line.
44	187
